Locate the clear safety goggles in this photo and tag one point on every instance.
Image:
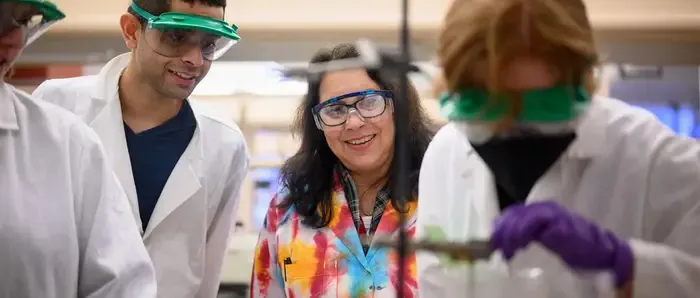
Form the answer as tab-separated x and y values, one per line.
33	17
174	34
335	111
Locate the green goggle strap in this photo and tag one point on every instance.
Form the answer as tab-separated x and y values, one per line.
48	9
538	106
188	21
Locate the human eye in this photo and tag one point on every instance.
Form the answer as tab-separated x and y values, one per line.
370	102
174	36
334	111
209	43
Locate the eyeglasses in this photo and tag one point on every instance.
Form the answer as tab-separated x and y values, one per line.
334	112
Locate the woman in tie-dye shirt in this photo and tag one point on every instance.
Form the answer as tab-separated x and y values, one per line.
337	190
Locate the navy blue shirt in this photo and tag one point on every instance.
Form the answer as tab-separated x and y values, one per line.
154	153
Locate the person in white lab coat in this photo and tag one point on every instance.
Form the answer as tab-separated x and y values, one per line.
181	170
530	160
65	225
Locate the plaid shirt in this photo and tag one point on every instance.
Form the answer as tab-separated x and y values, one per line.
354	202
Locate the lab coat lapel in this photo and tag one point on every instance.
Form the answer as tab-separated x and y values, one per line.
343	226
183	183
8	114
548	187
563	177
109	125
389	225
481	193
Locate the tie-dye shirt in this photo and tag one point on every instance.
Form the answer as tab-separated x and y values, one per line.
296	261
351	197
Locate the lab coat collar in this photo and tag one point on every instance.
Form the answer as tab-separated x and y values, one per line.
591	132
184	181
8	114
589	142
480	185
109	125
108	78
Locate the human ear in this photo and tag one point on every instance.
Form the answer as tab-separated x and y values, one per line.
130	26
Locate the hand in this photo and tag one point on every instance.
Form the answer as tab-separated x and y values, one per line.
580	244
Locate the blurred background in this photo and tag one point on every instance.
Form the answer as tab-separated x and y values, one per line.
651	50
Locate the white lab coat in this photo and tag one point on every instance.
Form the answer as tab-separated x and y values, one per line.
187	235
65	224
626	171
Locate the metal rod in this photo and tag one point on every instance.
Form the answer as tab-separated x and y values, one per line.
468	251
402	191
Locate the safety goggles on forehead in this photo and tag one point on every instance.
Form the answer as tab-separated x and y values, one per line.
33	17
174	34
551	105
336	111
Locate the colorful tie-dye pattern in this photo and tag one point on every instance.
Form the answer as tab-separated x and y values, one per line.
328	262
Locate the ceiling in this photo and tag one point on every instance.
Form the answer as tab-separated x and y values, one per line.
98	49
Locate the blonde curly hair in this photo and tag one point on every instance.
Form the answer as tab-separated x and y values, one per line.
491	33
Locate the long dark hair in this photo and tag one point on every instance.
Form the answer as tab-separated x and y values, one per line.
308	175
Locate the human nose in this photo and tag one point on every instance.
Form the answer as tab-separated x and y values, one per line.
193	57
354	122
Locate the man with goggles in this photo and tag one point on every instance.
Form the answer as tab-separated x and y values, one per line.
181	170
367	104
66	229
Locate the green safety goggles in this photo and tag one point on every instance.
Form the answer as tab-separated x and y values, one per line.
174	34
558	104
34	17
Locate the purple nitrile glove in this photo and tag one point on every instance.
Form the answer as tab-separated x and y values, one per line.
580	243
